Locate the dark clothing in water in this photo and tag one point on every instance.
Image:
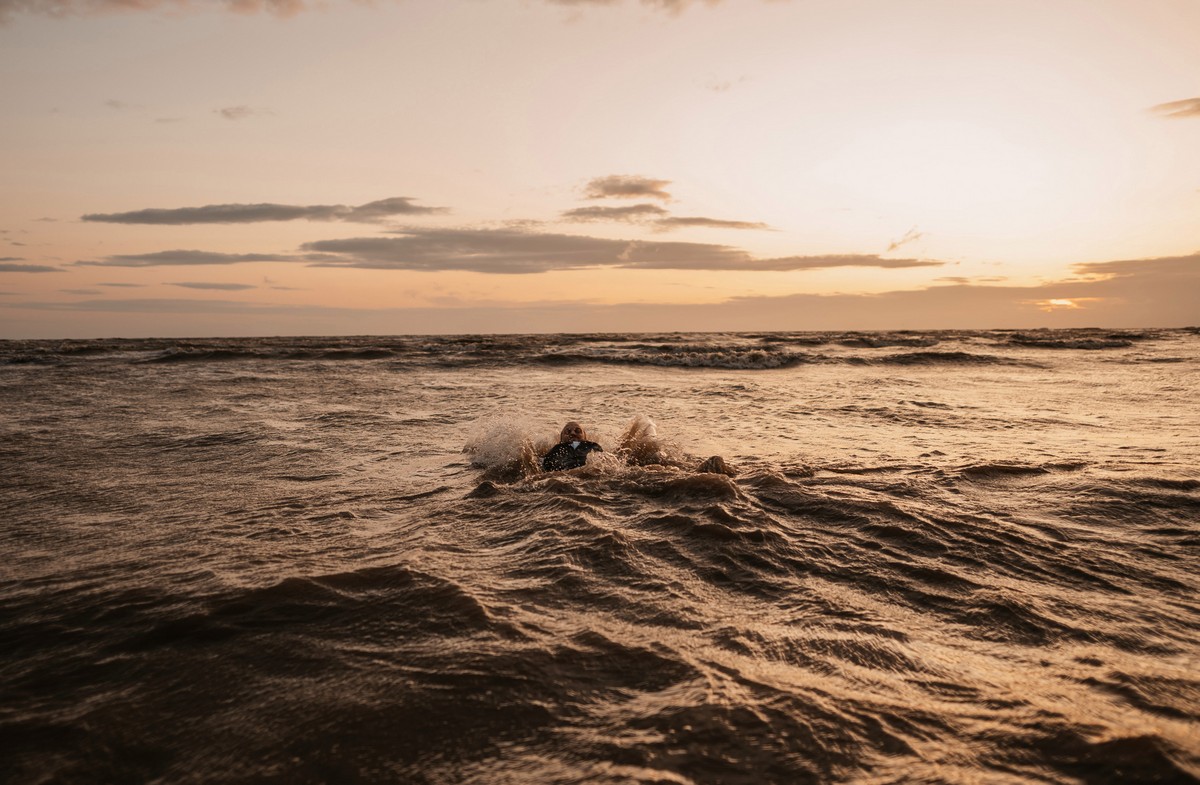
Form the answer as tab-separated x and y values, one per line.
568	455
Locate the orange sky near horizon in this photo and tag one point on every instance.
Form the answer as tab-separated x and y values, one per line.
251	168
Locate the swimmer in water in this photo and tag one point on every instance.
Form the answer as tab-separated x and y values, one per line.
571	451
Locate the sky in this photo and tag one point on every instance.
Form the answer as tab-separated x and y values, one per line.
291	167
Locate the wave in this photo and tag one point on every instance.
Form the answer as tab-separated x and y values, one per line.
398	598
751	358
730	357
991	471
856	340
181	355
1074	339
944	358
190	354
882	341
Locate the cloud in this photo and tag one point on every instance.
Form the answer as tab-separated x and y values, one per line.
628	213
667	224
64	8
507	251
655	215
624	186
278	8
224	287
912	235
183	258
385	208
723	85
965	279
1181	267
8	267
370	212
1189	107
654	256
125	285
671	6
477	250
240	112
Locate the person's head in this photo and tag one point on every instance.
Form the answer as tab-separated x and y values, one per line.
572	432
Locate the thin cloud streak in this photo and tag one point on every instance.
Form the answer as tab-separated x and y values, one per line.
968	280
183	259
65	8
657	217
724	85
1187	267
633	213
223	287
278	8
240	112
371	212
680	222
670	6
780	264
1189	107
6	267
911	236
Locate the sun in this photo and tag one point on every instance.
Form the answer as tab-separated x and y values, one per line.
1065	304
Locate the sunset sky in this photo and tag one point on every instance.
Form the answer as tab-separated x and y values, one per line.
273	167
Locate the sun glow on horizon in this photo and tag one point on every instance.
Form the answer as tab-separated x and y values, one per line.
1065	303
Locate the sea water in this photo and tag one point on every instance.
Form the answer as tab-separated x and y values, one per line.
950	557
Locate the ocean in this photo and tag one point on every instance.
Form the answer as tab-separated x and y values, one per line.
945	557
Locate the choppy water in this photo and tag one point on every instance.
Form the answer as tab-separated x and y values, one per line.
946	557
